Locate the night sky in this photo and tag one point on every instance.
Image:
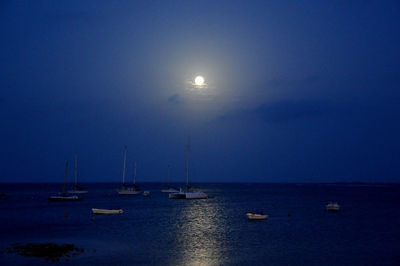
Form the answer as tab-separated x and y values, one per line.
296	91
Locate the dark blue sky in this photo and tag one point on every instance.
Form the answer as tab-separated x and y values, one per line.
298	91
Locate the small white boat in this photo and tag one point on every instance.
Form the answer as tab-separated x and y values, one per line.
146	193
106	211
332	207
256	216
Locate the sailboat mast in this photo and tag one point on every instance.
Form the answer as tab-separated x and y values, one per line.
65	177
76	169
169	167
187	161
134	174
124	171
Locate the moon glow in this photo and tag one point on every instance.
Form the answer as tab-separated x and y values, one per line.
199	81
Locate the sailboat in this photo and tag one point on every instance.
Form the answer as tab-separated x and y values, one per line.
62	196
77	189
188	194
126	189
169	189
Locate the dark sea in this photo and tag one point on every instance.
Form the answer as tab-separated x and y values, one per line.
215	231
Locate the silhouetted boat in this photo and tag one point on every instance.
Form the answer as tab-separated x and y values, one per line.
169	189
332	206
126	189
106	211
189	193
256	216
146	193
62	196
77	189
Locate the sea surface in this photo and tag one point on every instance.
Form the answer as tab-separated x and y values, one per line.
162	231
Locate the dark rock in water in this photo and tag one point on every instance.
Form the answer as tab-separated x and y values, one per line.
48	251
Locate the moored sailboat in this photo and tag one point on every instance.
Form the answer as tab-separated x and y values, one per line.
63	196
169	189
126	189
189	193
77	189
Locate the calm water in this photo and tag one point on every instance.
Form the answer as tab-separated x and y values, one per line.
158	230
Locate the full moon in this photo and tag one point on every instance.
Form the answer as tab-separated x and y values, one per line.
199	80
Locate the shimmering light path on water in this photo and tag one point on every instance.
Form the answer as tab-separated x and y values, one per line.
158	230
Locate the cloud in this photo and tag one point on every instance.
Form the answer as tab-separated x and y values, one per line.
175	99
283	111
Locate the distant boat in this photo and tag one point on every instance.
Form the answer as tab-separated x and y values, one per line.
332	207
169	189
62	196
146	193
77	189
126	189
189	193
106	211
256	216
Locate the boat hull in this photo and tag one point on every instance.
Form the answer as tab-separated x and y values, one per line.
77	191
256	217
128	192
179	195
170	190
106	211
188	195
64	198
332	207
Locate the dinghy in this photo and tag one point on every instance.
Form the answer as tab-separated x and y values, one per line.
256	216
106	211
332	207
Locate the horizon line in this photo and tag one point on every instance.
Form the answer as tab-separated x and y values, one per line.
219	182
